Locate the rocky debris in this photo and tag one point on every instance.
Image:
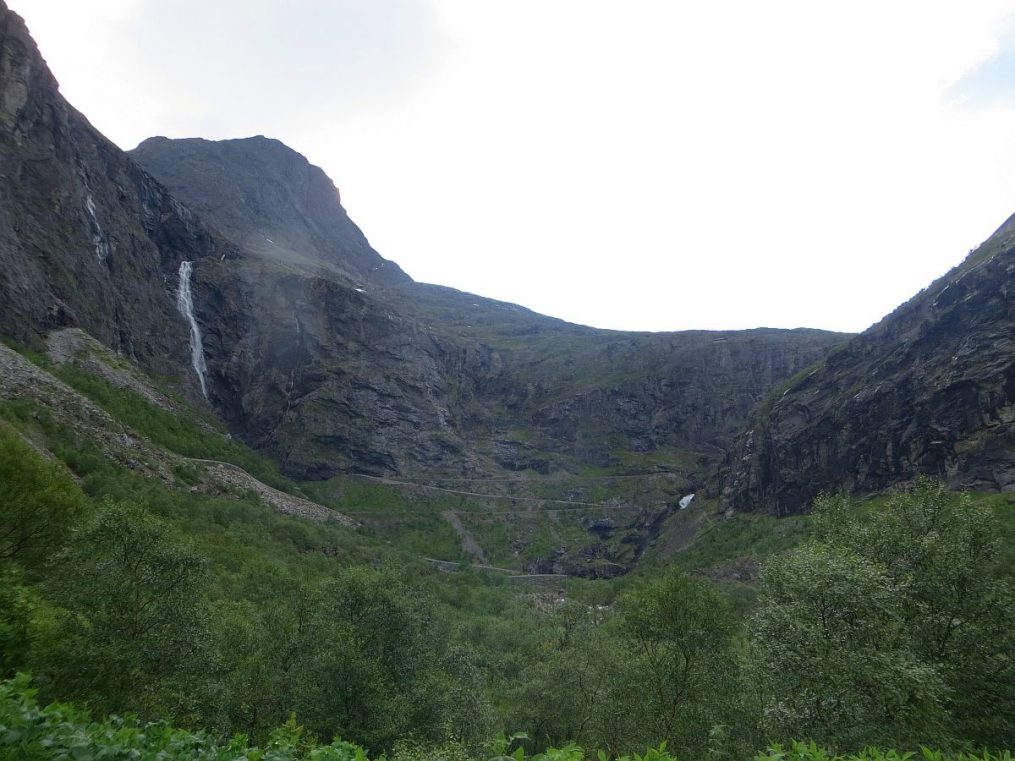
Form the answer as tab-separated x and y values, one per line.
677	531
597	560
74	346
40	450
744	570
469	544
928	390
602	527
21	379
232	476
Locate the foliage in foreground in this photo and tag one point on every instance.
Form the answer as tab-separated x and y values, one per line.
799	751
30	732
892	626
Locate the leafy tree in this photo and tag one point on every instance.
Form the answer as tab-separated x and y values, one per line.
39	503
23	619
663	666
137	636
681	674
268	650
942	553
568	666
683	635
386	669
894	625
835	654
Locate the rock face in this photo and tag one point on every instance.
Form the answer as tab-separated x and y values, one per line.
87	238
330	358
267	199
319	351
333	359
928	390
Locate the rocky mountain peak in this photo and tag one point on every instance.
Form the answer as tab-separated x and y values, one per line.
269	200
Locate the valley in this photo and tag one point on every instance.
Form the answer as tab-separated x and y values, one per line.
258	483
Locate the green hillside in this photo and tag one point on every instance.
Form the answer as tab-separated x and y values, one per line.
177	596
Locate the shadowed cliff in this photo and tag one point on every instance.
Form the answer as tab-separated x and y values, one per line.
928	390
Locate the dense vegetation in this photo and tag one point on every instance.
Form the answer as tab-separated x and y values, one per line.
885	623
29	732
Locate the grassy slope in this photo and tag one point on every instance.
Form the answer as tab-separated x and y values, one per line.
410	520
253	551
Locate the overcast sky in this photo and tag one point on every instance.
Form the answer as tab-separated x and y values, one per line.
638	165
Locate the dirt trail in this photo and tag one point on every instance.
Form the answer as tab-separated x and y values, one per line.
450	565
571	504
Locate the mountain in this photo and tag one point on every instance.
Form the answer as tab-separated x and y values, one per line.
391	563
267	199
332	359
87	238
928	390
231	270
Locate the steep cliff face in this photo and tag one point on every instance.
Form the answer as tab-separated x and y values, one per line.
672	389
330	377
928	390
323	377
87	238
335	360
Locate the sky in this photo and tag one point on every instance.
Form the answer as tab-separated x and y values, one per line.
645	165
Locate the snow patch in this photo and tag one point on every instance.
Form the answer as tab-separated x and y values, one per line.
685	501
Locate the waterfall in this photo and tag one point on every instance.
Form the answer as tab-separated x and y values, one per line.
185	303
102	247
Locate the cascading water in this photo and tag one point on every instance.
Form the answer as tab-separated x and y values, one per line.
102	247
185	303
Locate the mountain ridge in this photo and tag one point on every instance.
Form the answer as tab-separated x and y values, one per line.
430	378
928	390
331	359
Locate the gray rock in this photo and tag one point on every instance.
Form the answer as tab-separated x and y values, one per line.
928	390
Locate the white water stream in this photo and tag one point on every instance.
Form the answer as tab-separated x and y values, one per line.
185	303
102	247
